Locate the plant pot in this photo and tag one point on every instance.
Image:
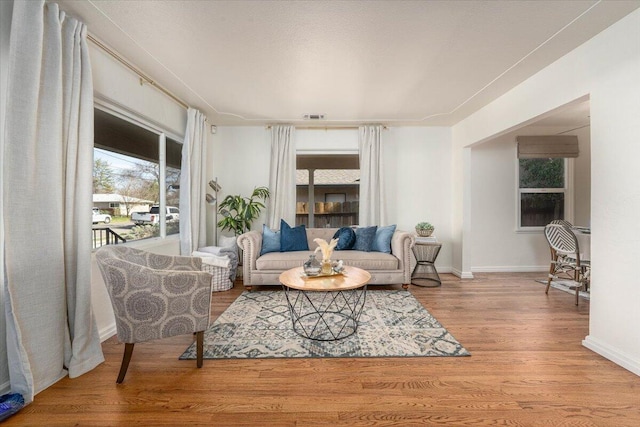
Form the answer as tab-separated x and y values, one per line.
424	232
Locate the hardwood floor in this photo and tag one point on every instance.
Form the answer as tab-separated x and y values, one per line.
527	368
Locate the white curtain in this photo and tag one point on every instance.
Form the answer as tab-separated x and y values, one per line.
282	176
193	225
47	196
372	200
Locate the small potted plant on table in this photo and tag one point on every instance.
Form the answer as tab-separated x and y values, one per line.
424	229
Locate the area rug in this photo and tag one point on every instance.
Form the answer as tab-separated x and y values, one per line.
565	286
392	324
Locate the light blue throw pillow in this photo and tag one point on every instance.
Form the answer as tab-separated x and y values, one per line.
382	242
270	240
364	238
293	238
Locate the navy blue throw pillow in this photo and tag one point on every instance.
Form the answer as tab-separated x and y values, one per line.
270	240
364	238
293	239
346	238
382	242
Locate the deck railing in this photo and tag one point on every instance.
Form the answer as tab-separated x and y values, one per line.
106	236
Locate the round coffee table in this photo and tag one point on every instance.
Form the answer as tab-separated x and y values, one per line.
325	308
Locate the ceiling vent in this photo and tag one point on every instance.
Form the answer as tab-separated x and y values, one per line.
313	117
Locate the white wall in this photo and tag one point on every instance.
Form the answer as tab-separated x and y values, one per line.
417	170
240	160
418	182
607	69
495	243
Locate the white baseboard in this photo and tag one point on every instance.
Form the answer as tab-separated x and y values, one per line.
608	352
511	269
108	332
462	274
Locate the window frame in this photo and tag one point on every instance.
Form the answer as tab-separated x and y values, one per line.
567	191
311	186
162	133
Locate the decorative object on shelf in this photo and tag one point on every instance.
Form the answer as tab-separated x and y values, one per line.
338	266
424	229
239	212
327	250
312	266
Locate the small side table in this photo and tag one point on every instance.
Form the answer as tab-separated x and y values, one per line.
426	251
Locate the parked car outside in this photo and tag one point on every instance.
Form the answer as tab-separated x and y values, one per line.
100	217
153	216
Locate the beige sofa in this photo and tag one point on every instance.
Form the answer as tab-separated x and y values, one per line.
385	269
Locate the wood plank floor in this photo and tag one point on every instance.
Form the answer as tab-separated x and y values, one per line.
528	368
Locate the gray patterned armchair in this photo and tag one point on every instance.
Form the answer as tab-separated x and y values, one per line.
155	296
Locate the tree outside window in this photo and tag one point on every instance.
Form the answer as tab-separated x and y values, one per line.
542	191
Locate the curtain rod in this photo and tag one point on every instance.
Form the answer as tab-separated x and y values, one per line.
143	77
326	127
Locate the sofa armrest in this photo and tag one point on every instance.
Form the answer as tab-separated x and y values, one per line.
251	244
401	244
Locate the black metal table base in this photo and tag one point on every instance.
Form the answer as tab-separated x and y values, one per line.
325	315
425	273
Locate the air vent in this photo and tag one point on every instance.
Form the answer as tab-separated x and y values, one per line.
313	117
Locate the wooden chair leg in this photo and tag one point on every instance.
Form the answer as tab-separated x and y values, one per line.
405	286
199	348
552	268
126	358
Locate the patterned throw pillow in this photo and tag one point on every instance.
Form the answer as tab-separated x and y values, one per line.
346	238
293	239
364	238
382	242
270	240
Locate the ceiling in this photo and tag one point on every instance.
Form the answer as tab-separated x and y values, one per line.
419	63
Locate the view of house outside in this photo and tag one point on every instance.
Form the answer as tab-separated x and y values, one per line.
126	182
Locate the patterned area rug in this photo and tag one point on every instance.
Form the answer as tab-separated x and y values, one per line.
392	324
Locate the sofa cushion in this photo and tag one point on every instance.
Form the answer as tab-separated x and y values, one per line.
270	240
370	261
346	238
292	238
364	238
382	241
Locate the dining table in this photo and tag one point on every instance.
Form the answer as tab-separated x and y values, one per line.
583	235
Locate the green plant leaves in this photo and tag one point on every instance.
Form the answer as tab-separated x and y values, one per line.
239	212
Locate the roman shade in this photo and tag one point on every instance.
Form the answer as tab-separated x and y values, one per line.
547	146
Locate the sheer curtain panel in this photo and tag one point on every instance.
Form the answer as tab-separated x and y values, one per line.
372	208
282	176
193	225
47	195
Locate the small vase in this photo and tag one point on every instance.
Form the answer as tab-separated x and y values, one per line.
312	266
327	268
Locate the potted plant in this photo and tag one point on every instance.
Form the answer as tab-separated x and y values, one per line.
424	229
239	212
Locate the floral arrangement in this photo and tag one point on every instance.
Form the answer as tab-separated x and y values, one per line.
326	248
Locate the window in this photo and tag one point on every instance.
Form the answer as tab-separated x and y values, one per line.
132	176
543	191
327	190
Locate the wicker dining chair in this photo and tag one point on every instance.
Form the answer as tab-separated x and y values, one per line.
565	258
155	296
